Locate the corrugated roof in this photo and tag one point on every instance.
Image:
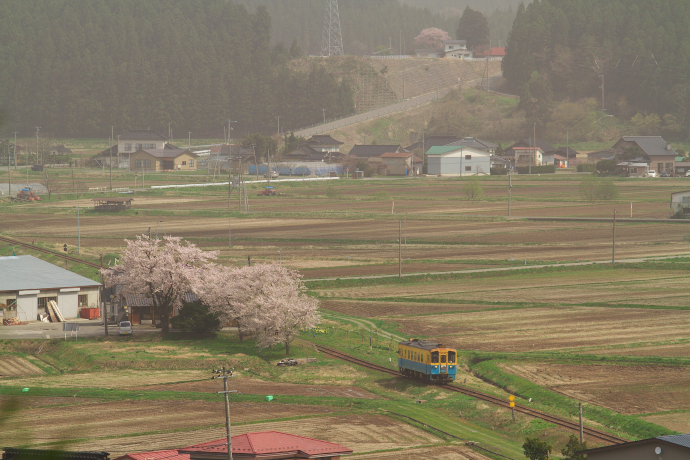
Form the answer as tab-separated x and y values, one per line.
441	149
324	139
270	442
155	455
138	301
678	439
20	273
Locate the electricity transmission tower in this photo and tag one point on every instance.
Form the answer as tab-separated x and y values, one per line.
332	43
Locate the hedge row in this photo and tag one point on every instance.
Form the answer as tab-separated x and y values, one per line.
546	169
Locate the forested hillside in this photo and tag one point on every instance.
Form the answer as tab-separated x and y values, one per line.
641	47
76	67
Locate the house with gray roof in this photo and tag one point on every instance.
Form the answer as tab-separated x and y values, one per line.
27	284
475	144
656	152
434	140
672	447
141	139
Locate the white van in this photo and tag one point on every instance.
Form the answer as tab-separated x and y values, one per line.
651	173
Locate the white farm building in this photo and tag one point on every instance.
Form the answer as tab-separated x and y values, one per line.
28	283
458	161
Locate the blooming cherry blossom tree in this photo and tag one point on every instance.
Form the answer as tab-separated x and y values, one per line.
267	301
431	37
162	270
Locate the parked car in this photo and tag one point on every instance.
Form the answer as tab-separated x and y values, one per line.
651	173
272	175
664	174
687	174
125	328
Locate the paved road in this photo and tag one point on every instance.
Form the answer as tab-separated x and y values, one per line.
500	269
87	328
400	106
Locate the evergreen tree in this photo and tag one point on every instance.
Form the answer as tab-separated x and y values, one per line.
473	27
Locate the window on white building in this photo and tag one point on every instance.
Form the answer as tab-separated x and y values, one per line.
468	168
468	157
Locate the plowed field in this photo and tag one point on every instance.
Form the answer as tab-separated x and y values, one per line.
624	389
256	387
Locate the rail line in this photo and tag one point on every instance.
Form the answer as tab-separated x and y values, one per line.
48	251
601	435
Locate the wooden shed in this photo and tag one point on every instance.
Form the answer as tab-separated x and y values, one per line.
112	203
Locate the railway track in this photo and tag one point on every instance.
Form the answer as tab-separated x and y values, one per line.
48	251
565	423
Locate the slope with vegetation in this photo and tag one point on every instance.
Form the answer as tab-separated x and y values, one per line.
76	67
564	50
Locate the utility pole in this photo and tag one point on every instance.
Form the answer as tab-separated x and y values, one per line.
9	172
37	129
110	163
530	157
15	150
613	245
229	233
105	313
118	151
582	434
602	93
324	116
403	98
510	191
189	141
224	374
399	249
278	125
78	233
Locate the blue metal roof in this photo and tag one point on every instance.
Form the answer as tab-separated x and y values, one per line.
20	273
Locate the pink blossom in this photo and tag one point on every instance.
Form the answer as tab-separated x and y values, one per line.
431	37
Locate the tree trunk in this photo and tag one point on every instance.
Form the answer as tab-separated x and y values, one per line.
287	347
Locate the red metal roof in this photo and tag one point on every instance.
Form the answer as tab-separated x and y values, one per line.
155	455
265	442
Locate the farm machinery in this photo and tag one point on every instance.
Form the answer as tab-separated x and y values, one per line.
25	194
268	191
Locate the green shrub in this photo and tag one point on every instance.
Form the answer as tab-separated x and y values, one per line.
607	166
546	169
607	190
473	189
197	318
592	188
585	167
332	193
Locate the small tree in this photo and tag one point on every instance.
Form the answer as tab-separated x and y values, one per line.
196	317
473	189
431	37
607	190
573	446
588	187
536	449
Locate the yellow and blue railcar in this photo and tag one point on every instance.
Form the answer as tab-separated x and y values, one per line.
427	360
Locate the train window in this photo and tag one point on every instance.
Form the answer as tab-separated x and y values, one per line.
434	356
451	356
443	359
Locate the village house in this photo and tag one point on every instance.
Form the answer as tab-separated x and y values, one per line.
140	139
475	144
266	444
673	447
163	160
458	161
401	163
433	140
656	152
524	156
633	169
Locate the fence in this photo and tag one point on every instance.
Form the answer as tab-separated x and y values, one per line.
392	56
